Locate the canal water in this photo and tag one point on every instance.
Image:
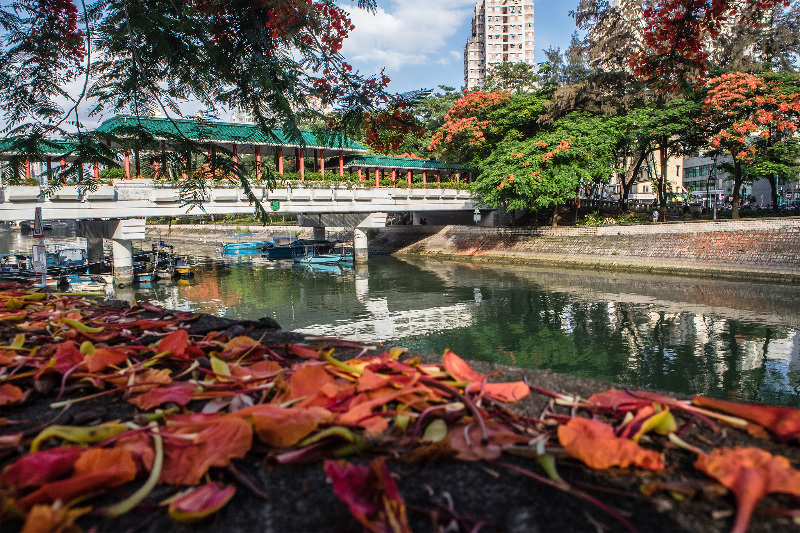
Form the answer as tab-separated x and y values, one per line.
738	341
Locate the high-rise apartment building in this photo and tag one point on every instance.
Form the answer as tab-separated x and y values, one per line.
502	30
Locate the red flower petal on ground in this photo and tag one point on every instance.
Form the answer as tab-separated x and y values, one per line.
179	393
371	494
96	469
200	503
36	469
176	343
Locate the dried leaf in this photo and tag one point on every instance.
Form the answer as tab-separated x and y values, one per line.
750	473
465	438
240	346
595	443
213	443
102	358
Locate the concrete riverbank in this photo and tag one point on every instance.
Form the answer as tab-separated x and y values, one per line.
755	249
760	249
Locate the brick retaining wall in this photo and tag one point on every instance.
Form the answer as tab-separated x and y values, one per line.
765	249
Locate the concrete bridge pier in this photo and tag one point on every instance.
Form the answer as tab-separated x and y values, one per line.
123	261
121	232
94	250
360	245
319	233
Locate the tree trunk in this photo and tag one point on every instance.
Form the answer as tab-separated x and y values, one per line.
662	183
630	176
773	186
737	183
555	216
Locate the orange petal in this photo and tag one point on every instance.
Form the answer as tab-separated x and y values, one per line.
504	392
784	422
369	380
104	357
459	369
595	443
750	473
10	394
284	426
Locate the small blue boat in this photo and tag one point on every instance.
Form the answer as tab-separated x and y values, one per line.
233	248
340	254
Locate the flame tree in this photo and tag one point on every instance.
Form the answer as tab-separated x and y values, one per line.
745	110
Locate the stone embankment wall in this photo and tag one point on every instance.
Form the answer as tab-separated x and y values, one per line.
764	249
217	233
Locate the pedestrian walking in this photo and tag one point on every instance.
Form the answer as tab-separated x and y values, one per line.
655	216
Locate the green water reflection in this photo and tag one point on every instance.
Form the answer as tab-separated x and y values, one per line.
729	340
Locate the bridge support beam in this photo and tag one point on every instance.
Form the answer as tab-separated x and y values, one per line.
123	261
94	248
360	245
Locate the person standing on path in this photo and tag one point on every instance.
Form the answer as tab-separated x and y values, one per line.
655	216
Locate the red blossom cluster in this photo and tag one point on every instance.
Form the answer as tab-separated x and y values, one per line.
462	122
55	35
386	129
742	105
678	32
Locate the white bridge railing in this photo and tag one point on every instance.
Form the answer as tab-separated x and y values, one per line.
139	198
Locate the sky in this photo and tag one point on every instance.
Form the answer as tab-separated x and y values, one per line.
421	42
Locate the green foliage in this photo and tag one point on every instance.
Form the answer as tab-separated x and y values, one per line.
107	174
549	168
508	76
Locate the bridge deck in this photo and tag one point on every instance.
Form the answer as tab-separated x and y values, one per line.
141	198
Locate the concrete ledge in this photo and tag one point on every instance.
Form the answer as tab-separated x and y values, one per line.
21	193
70	193
103	192
166	195
225	195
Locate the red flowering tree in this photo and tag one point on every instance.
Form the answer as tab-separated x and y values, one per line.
468	126
742	108
678	34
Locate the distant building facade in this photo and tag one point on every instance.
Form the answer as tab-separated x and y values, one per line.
502	31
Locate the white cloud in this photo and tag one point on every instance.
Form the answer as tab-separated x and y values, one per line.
405	32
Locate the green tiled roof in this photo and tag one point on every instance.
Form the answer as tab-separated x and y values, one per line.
46	147
225	132
410	163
